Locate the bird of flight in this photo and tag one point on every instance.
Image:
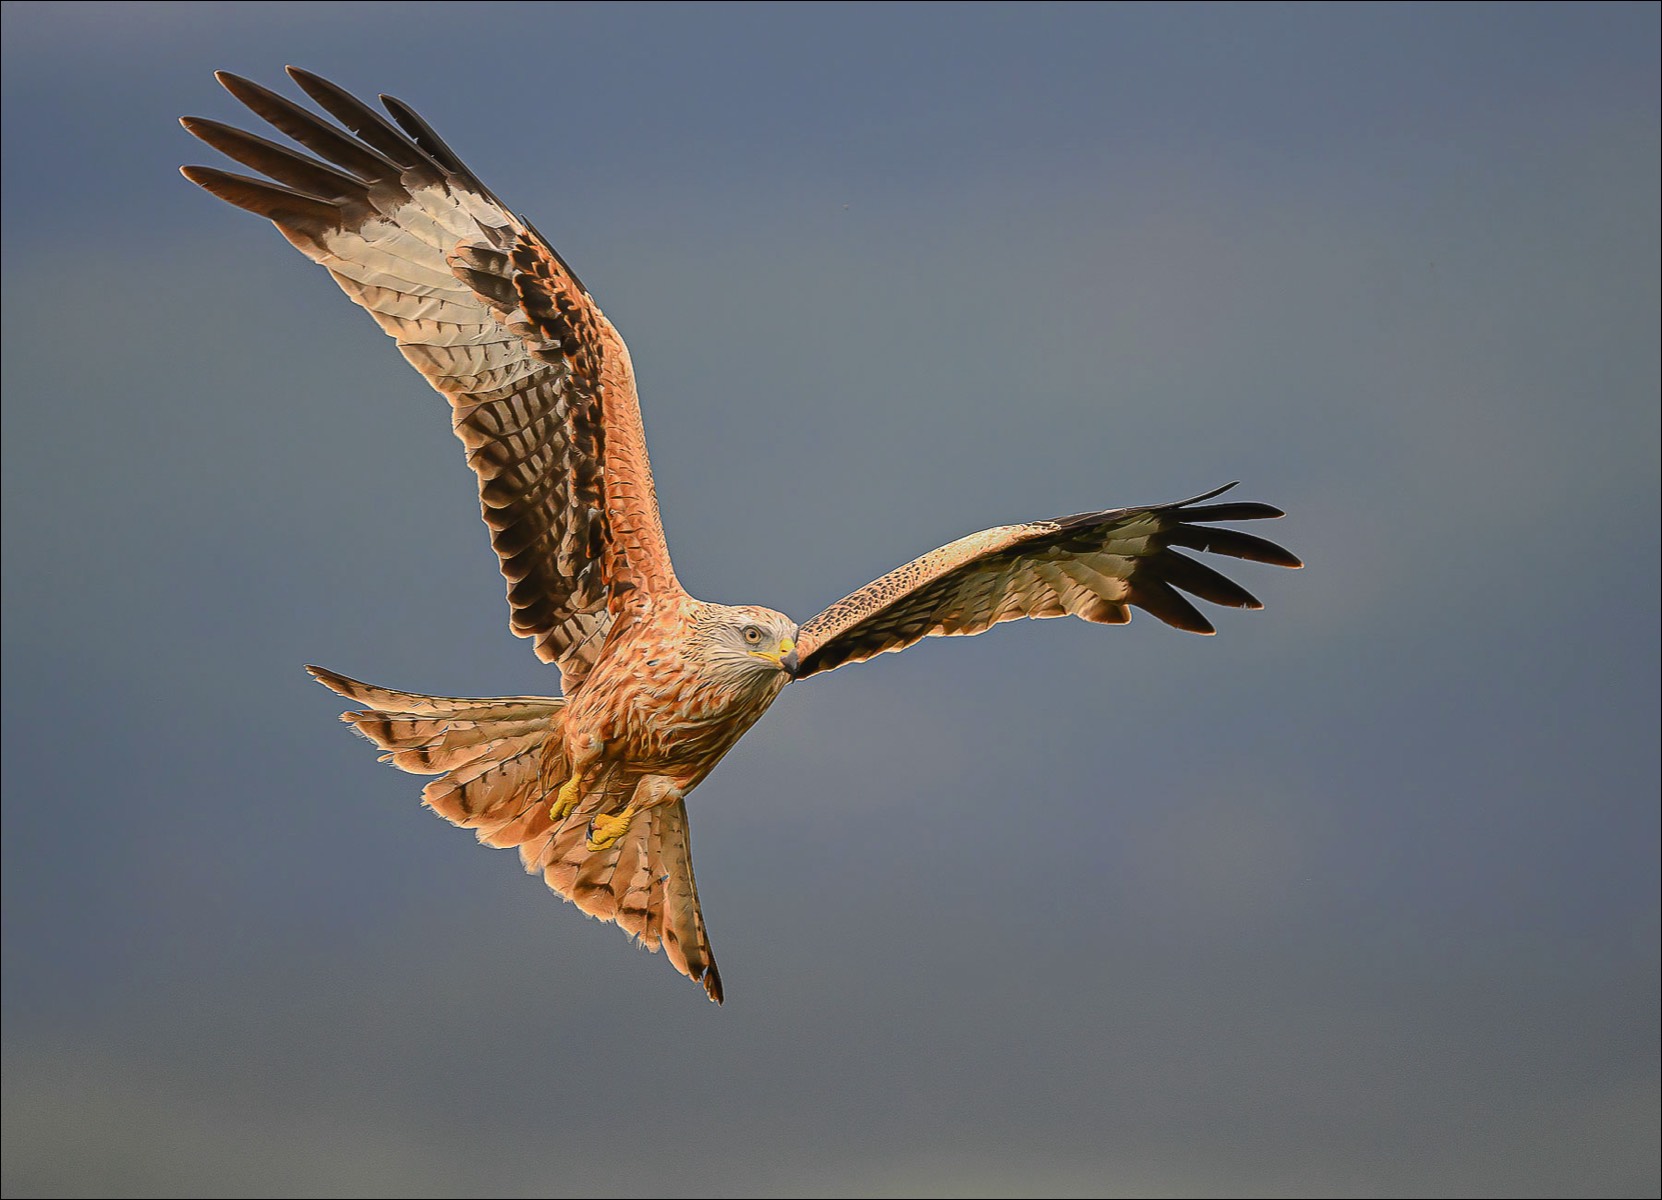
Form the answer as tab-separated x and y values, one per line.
656	686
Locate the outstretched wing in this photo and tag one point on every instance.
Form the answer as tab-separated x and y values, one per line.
1095	565
540	384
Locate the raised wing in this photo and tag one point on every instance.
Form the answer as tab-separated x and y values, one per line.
1095	565
540	384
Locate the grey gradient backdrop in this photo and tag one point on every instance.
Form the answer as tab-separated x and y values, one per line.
1358	897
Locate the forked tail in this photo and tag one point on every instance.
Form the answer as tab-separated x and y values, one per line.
500	763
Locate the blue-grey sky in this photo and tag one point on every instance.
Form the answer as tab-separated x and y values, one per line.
1357	898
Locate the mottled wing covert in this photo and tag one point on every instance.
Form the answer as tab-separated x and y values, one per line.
1094	565
539	383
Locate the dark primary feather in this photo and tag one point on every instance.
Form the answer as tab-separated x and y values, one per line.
369	125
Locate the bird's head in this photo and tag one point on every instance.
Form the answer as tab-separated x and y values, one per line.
745	643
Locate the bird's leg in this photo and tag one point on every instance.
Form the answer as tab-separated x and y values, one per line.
582	754
650	792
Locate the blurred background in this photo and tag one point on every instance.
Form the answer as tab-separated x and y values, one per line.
1357	898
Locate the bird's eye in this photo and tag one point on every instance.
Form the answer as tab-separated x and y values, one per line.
752	634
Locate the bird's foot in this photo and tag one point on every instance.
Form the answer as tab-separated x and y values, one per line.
605	831
567	799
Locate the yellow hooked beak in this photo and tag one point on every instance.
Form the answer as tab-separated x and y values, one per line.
783	657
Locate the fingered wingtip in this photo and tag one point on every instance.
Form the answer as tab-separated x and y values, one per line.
1217	491
309	82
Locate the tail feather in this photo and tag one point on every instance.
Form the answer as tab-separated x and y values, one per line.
587	875
500	762
685	942
629	874
388	700
486	786
427	745
517	828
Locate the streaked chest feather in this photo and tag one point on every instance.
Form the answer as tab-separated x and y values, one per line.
661	711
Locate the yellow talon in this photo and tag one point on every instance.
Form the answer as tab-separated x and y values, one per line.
605	831
567	799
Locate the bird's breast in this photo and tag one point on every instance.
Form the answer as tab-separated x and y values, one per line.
659	713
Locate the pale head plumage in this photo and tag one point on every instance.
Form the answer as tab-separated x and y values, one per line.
743	646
